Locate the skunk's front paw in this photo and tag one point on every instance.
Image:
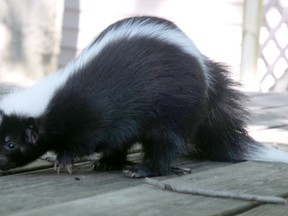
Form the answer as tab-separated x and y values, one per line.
63	161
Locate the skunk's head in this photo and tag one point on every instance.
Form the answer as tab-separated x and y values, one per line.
18	141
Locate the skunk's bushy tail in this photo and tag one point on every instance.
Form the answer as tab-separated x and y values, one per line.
222	134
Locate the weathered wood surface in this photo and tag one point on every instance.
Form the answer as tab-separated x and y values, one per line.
267	210
38	190
269	119
45	193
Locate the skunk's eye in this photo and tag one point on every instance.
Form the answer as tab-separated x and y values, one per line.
11	145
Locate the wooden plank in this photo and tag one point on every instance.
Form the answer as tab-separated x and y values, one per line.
270	100
267	210
267	111
26	191
36	165
261	178
268	118
45	187
249	177
142	200
276	136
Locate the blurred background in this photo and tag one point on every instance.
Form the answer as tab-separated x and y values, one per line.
37	37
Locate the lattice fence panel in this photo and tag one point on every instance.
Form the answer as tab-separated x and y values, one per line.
273	61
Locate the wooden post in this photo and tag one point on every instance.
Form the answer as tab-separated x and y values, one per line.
250	44
30	33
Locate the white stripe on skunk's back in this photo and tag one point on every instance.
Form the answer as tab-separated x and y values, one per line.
34	101
154	30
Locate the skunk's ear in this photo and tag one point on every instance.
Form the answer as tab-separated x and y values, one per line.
31	131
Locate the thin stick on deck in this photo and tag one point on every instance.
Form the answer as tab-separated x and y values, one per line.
219	194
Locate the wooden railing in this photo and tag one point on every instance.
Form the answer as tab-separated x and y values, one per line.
273	62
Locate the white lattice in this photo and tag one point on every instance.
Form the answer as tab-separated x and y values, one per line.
273	61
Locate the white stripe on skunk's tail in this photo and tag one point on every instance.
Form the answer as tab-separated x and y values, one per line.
258	152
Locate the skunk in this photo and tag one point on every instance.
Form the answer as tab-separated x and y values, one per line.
142	80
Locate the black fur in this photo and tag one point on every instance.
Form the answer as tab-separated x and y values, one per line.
135	90
222	134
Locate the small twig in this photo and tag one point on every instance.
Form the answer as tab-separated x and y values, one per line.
212	193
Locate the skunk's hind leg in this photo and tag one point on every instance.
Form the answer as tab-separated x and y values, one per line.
222	135
112	159
160	147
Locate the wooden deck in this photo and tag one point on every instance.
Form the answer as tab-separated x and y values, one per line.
38	190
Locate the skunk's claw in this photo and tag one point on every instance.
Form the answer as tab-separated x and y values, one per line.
63	161
69	168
